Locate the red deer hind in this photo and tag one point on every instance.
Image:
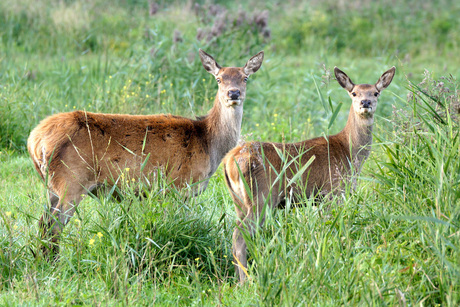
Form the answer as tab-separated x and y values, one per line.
77	152
322	164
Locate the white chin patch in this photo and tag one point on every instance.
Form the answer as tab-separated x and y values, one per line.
233	103
366	112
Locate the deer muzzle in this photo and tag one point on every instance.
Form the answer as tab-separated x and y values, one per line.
233	98
366	104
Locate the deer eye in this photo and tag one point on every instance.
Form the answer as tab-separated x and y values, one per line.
376	94
218	81
354	94
245	79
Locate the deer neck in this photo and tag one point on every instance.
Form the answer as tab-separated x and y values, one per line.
224	128
357	136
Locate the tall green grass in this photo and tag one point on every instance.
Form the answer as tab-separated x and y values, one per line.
394	241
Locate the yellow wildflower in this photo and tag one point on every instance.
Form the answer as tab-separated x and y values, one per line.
91	241
100	235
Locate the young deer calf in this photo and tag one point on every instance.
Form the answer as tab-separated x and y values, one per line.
77	152
252	170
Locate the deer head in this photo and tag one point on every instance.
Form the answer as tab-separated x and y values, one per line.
231	80
364	96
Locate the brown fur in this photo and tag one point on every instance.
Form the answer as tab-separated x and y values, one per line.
77	152
337	159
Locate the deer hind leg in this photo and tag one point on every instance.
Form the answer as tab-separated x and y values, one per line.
238	194
249	204
247	222
244	223
55	218
45	224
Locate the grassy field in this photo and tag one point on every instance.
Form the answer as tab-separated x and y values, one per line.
393	241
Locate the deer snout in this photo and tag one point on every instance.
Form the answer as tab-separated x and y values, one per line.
234	94
366	103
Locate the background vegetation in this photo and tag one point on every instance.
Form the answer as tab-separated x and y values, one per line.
395	241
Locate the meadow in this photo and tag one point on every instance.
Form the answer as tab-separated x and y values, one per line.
395	240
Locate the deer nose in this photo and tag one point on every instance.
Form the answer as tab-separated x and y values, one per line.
234	94
365	103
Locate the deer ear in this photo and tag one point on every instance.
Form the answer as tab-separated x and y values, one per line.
209	63
385	79
343	79
253	64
